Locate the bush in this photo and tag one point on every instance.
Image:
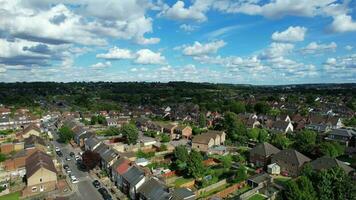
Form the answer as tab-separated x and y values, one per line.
165	138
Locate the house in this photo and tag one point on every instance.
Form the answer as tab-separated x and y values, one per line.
132	180
273	169
35	142
183	194
259	180
81	137
110	122
282	126
182	131
92	143
142	162
153	189
321	128
290	161
343	136
207	140
261	154
18	160
30	130
108	157
78	132
142	123
328	163
252	123
335	122
119	167
41	174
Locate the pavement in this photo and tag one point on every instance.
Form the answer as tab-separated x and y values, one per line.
84	189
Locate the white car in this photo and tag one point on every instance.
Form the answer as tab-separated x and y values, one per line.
77	157
68	159
58	149
68	170
74	179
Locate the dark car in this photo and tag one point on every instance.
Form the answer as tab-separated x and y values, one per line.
72	154
59	153
105	194
96	184
65	166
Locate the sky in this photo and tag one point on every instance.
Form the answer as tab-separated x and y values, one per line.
259	42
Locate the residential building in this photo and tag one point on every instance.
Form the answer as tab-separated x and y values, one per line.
328	163
343	136
207	140
32	129
282	126
119	167
290	161
182	131
92	143
132	180
153	189
261	154
41	174
183	194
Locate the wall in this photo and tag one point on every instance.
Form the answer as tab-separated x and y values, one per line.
210	187
226	192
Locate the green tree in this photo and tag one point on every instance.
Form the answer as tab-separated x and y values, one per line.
274	112
2	157
236	130
101	119
305	141
226	162
262	135
93	120
253	133
130	132
237	107
65	134
202	120
181	156
241	173
331	149
261	108
195	164
165	138
299	189
280	141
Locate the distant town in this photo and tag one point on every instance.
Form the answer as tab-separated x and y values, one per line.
177	141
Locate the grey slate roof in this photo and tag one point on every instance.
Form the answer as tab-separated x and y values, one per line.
343	132
265	149
182	194
133	175
291	156
33	140
92	142
154	190
327	163
109	155
259	178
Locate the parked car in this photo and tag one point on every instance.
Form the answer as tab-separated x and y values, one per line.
71	154
68	159
65	166
68	170
74	179
105	194
59	153
58	149
96	184
77	157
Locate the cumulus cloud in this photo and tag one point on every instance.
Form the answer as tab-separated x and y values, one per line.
178	11
188	27
343	23
292	34
100	65
146	56
349	47
116	53
198	48
341	67
277	50
315	48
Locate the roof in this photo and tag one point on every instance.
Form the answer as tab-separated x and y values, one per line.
92	142
204	138
31	127
259	178
133	175
182	193
121	165
111	121
291	156
37	161
327	163
109	155
280	124
33	140
265	149
343	132
154	190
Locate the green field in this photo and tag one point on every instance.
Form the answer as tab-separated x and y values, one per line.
257	197
11	196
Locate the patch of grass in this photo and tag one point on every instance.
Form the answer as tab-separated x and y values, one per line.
281	180
11	196
257	197
181	181
218	189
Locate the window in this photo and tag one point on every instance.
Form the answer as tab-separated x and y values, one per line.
34	189
40	180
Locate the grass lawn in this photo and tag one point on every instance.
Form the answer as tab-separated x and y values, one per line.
11	196
181	181
257	197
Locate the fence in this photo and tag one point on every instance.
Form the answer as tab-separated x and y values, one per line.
210	187
227	191
251	192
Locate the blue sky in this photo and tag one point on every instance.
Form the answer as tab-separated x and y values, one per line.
219	41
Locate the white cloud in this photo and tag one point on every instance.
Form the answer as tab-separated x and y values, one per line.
277	50
116	53
146	56
292	34
343	23
341	67
2	68
195	12
349	47
314	47
100	65
198	49
188	27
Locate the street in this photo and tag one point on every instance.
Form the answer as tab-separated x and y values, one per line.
84	189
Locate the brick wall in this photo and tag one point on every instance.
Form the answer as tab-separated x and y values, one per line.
6	148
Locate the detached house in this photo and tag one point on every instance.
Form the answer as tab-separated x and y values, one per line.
205	141
32	129
182	131
343	136
282	126
290	161
41	174
261	154
132	180
328	163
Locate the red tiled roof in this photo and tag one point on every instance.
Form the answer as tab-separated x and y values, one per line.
123	167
